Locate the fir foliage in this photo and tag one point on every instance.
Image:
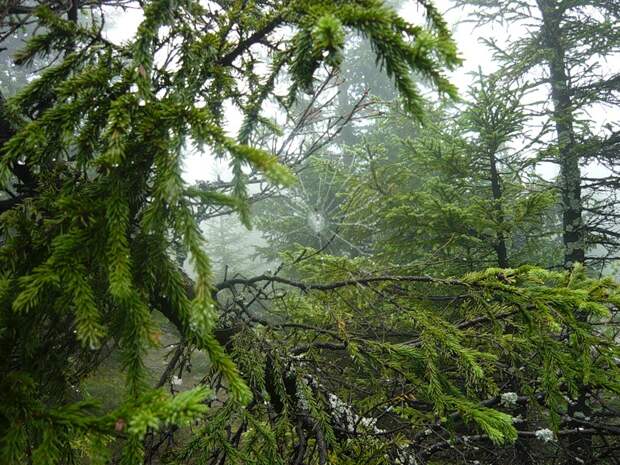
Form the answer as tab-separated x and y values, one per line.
88	253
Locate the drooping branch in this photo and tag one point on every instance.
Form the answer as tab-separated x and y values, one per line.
363	282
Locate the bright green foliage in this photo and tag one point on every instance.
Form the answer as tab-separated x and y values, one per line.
395	361
60	429
329	359
88	250
388	35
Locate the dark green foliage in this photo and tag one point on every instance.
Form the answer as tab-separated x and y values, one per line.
428	355
88	249
421	360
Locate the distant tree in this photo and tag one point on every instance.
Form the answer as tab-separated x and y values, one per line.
361	78
564	54
521	213
457	196
567	52
230	247
431	204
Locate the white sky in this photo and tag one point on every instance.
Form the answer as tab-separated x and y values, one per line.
467	37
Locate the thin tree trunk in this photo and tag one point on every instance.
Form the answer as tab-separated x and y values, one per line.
496	187
72	14
344	108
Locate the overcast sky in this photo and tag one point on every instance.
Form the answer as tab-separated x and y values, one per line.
466	36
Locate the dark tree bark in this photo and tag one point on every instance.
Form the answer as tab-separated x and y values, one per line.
579	449
72	14
570	173
25	180
496	187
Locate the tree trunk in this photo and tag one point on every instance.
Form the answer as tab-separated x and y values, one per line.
347	136
496	187
570	173
579	448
